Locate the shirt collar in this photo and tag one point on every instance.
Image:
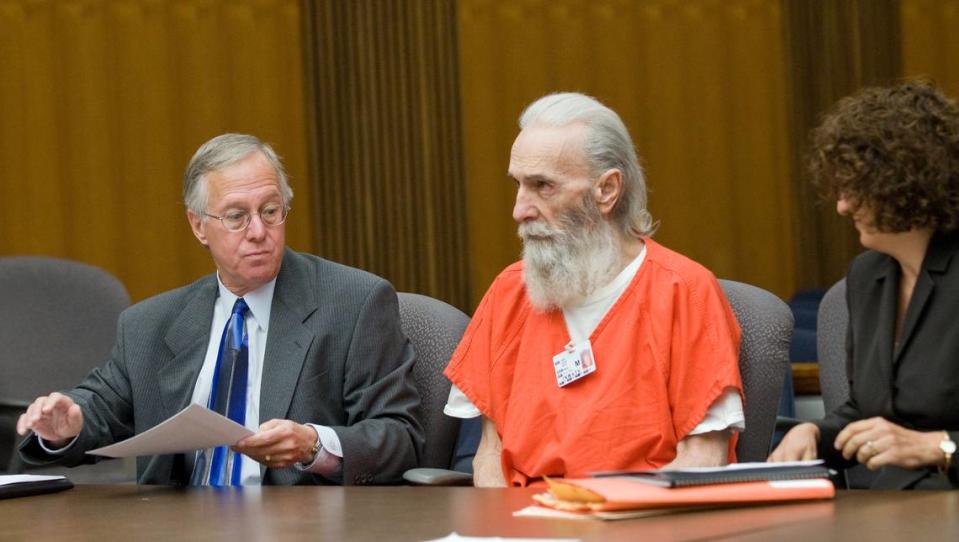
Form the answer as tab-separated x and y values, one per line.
260	301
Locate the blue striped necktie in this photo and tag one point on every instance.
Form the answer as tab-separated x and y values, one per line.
228	397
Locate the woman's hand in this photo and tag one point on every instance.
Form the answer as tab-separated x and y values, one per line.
877	442
799	444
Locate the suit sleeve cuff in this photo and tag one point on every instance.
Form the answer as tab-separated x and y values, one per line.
56	451
328	461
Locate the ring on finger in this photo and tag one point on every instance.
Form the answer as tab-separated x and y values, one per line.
267	458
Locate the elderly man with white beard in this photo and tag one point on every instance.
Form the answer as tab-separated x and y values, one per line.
601	349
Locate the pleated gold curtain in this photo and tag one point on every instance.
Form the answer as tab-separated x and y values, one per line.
834	49
102	103
396	118
930	42
387	149
701	86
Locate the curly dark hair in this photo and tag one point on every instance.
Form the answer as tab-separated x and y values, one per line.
896	151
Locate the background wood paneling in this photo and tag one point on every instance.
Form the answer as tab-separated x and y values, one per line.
834	49
405	112
701	87
387	161
102	103
930	41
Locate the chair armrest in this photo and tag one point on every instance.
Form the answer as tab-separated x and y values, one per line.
13	406
437	477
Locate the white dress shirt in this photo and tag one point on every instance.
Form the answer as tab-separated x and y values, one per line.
257	323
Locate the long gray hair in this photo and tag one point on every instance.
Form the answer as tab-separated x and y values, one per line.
607	145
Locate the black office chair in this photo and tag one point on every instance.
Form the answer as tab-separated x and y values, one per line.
58	321
766	323
434	328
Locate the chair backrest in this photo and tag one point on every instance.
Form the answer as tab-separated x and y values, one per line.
833	382
831	345
434	328
766	324
58	320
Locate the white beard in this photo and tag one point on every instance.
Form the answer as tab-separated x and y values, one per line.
563	265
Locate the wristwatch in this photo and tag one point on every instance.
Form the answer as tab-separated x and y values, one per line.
948	448
305	465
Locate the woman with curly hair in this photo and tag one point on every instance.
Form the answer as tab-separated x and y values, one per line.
889	157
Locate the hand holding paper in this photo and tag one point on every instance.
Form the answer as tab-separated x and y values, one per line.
279	444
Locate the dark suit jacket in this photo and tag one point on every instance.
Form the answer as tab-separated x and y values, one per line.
916	383
335	355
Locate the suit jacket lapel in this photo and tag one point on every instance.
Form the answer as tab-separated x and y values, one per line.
187	340
887	279
288	339
920	295
937	260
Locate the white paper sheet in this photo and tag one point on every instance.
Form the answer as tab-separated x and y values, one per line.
8	479
455	537
754	465
534	511
193	428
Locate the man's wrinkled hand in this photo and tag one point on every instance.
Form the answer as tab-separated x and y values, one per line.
55	418
279	444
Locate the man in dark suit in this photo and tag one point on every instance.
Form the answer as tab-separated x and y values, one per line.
328	368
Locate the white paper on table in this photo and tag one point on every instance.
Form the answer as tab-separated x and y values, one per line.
753	465
8	479
193	428
456	537
536	511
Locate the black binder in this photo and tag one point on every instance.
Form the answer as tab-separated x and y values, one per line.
743	472
33	487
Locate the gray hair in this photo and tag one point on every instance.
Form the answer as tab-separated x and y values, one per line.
220	152
607	146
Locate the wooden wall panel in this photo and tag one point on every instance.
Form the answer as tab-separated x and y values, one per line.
834	49
701	86
387	151
102	104
930	42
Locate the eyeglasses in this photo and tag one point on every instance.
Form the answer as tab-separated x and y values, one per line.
272	214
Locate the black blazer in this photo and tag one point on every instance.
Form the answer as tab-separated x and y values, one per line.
916	383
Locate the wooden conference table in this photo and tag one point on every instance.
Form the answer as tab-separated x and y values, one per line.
128	512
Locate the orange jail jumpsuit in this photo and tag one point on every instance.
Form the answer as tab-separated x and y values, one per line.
664	352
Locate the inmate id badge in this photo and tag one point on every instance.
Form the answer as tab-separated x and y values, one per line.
574	362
